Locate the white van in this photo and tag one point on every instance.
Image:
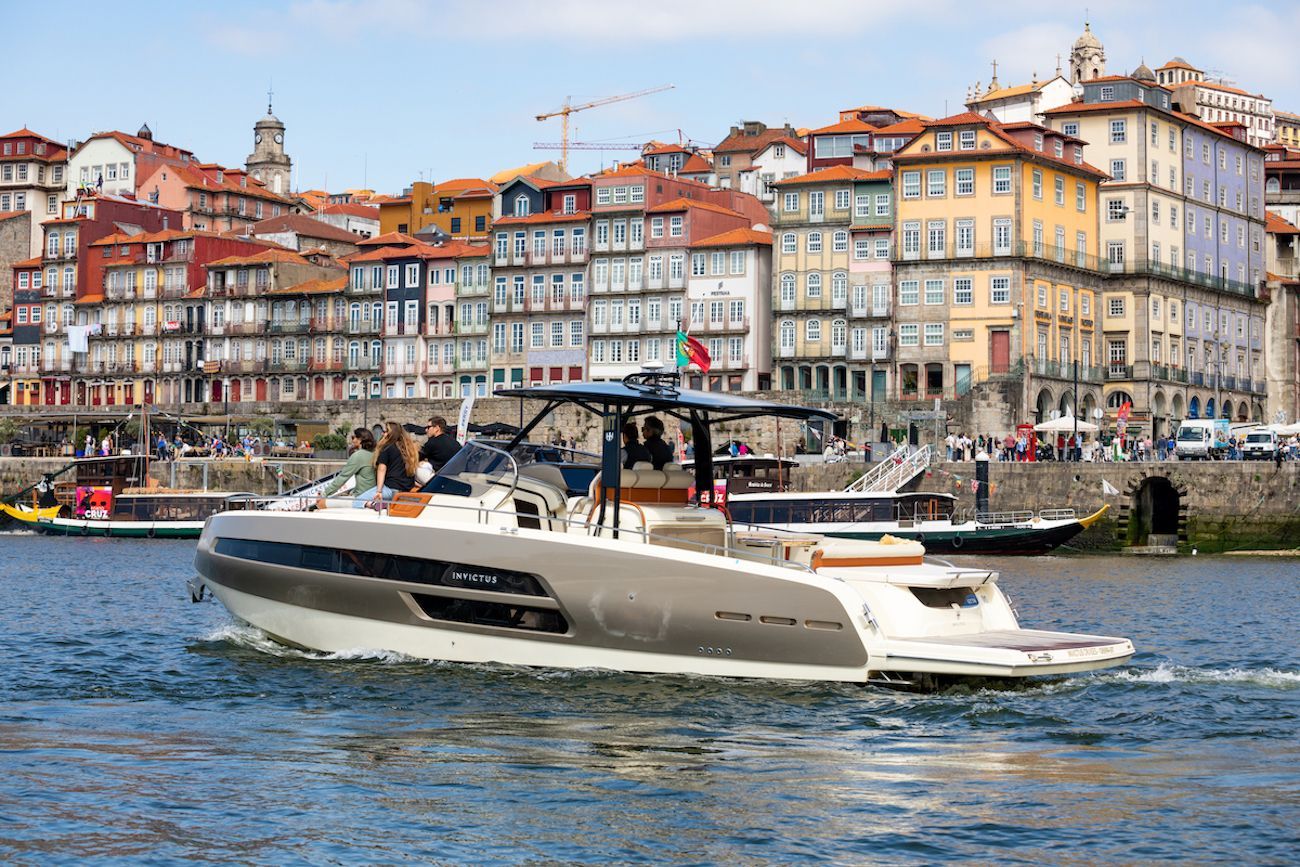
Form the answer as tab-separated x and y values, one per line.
1201	439
1260	444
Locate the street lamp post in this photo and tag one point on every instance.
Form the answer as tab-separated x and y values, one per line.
1074	408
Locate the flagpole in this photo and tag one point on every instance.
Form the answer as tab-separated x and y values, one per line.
676	349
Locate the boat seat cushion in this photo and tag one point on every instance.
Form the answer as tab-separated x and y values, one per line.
647	486
847	553
408	505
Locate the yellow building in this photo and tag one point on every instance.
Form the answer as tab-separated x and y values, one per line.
995	265
460	208
822	319
1287	128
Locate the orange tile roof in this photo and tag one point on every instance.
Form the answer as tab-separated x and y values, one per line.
464	184
844	126
34	262
834	174
571	182
753	144
318	286
1009	92
90	299
266	257
139	144
1275	224
683	204
303	225
353	209
870	227
1178	63
907	126
736	238
458	250
897	111
695	165
959	119
1078	107
1214	85
660	148
205	179
9	215
544	217
387	239
377	254
631	169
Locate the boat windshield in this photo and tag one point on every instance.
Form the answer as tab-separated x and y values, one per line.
482	464
474	470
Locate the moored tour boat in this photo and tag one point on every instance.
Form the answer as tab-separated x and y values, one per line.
497	560
757	493
115	497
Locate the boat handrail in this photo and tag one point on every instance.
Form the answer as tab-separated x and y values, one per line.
514	476
593	529
1065	514
1016	517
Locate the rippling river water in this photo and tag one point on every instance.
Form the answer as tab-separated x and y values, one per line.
137	726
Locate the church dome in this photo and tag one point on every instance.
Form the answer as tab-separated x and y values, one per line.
1087	40
1143	73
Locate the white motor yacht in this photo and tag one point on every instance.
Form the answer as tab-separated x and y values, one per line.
527	562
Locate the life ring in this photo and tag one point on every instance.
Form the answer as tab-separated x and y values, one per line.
958	541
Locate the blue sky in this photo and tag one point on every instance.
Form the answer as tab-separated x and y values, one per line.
381	91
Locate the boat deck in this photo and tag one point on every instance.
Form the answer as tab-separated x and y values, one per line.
1024	640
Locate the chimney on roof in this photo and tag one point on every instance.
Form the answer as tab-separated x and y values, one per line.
145	132
165	222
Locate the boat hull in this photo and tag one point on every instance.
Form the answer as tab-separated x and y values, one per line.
25	515
119	529
999	541
572	601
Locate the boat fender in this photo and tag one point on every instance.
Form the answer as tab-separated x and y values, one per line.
85	529
958	541
152	531
108	532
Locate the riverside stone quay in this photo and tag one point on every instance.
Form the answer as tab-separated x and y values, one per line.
1209	507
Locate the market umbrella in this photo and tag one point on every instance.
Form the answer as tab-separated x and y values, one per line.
1065	424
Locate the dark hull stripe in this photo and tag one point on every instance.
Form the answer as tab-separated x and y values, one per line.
1000	541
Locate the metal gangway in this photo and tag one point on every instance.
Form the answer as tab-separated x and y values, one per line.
893	472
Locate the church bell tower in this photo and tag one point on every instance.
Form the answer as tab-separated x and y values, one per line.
268	162
1087	57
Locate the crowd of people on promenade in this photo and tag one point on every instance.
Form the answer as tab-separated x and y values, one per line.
1080	447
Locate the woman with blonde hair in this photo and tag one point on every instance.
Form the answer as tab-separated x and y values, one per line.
396	458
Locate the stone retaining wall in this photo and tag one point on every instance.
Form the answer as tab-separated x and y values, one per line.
1221	506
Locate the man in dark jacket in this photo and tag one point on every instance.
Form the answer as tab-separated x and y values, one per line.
441	446
660	452
633	451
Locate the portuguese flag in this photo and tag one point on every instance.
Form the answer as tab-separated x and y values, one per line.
691	351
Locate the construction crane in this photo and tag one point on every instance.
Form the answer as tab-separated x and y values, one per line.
569	109
587	146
